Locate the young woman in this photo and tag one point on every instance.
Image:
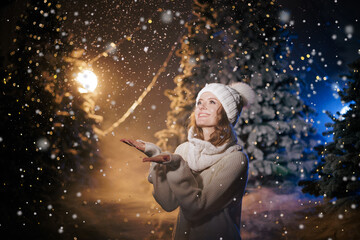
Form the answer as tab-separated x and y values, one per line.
207	175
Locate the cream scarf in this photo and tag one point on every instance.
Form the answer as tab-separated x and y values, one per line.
202	154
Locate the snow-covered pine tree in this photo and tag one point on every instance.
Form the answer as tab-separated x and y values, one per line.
338	173
233	41
47	134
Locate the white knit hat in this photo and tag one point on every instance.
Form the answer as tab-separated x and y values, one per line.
231	97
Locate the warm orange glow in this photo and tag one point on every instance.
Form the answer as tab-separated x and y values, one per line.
88	80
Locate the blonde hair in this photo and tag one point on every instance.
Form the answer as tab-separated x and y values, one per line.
223	129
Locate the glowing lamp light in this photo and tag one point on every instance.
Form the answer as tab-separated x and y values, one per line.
88	80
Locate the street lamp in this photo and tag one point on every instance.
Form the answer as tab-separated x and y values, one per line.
88	80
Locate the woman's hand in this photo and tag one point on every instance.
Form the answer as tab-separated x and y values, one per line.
133	143
157	159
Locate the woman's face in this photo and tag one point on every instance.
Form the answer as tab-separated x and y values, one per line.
206	111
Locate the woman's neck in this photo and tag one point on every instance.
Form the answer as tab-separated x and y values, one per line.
207	131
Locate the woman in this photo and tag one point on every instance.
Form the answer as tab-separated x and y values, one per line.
207	175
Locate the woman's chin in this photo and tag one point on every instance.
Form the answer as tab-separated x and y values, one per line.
200	124
204	125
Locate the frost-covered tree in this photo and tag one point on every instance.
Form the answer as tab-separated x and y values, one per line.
233	41
48	130
338	173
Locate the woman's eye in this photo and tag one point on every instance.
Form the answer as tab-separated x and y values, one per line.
212	102
199	102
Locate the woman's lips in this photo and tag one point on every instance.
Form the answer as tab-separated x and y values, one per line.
200	115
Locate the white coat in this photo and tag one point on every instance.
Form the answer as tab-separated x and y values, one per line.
210	199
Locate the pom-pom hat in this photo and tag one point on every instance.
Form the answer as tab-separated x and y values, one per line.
232	97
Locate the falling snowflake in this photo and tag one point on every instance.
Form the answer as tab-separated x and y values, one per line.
284	16
166	17
349	29
42	144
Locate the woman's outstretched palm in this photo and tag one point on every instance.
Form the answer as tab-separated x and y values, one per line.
133	143
158	159
141	147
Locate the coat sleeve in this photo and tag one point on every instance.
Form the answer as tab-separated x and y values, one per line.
157	176
228	180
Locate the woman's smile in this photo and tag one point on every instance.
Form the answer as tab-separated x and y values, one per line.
203	115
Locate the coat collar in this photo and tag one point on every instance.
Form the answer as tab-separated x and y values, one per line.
202	154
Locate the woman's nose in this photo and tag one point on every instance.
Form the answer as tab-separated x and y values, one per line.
202	106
